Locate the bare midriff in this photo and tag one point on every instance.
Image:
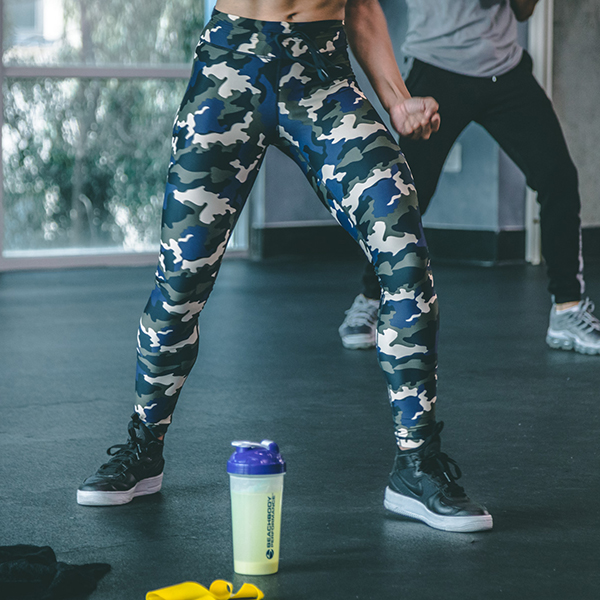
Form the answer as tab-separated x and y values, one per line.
300	11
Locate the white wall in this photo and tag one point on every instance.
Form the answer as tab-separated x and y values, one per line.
576	90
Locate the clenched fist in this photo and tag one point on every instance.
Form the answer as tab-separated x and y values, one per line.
416	118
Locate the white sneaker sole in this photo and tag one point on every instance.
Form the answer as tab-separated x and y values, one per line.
408	507
563	341
141	488
358	341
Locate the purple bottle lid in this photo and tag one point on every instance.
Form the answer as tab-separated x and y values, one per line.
250	458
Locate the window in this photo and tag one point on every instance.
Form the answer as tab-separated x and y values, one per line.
90	91
25	22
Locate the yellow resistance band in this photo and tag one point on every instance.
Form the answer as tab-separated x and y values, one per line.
219	590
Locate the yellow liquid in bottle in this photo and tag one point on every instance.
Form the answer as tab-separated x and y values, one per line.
256	521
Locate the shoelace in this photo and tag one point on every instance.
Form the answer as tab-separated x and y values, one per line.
360	313
319	62
440	465
585	318
123	454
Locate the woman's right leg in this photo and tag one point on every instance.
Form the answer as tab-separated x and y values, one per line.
218	144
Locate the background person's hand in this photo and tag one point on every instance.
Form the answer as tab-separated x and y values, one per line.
416	118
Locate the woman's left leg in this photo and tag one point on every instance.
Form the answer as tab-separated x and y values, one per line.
358	170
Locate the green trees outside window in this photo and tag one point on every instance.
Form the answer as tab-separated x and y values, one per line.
84	157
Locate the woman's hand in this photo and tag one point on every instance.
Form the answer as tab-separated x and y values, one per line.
416	118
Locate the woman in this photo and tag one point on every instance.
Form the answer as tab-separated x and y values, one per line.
277	72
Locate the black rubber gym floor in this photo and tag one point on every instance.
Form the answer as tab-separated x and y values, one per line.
521	420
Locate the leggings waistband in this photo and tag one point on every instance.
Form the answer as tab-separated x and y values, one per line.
274	39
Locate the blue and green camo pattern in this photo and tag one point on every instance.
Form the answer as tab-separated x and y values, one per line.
255	84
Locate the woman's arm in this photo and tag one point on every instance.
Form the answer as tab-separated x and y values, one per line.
523	9
370	42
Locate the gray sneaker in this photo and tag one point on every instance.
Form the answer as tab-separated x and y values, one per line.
359	329
575	329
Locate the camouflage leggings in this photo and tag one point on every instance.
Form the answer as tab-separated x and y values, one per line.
257	83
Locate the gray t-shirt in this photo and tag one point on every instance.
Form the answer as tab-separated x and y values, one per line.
470	37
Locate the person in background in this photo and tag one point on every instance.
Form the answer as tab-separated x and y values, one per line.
465	54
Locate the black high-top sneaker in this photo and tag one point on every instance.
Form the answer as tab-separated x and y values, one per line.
135	469
423	486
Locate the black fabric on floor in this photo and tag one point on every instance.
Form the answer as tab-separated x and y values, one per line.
33	573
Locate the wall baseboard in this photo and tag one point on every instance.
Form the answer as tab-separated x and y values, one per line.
447	245
329	240
477	247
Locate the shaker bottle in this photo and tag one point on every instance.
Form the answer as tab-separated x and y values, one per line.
256	481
